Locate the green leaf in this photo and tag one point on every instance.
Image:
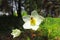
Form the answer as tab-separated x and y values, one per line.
15	13
28	38
24	13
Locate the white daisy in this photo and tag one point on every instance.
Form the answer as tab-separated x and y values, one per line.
32	21
15	33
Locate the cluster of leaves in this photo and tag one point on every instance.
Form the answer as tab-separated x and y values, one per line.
51	27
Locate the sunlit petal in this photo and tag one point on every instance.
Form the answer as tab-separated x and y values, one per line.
34	14
38	22
27	25
26	18
34	27
41	18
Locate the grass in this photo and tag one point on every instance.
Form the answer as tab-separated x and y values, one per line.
51	27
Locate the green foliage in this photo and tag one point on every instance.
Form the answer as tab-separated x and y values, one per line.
15	13
51	27
28	38
24	13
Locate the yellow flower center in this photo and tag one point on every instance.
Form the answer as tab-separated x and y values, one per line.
33	21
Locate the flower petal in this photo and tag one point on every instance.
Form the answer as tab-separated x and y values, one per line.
34	27
38	22
27	25
34	13
26	18
40	19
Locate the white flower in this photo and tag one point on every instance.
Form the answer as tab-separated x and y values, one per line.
16	33
7	14
32	21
